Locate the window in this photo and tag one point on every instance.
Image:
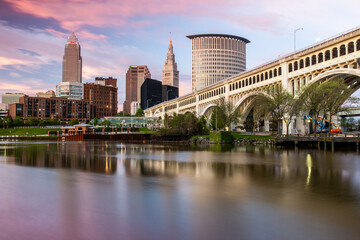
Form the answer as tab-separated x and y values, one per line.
301	63
334	53
307	62
290	67
296	67
342	50
327	55
320	57
313	59
351	47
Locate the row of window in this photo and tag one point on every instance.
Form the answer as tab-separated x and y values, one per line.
173	106
187	101
327	55
213	93
255	79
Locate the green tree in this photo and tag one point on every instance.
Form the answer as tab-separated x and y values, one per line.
226	111
187	125
18	121
278	102
326	98
32	121
139	112
334	94
74	121
8	121
216	119
95	121
106	123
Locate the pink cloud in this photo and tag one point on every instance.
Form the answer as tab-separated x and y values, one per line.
74	14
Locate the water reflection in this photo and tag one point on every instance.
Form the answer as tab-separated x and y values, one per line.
77	155
177	192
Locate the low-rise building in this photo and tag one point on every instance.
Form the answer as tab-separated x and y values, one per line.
47	94
70	90
62	109
103	96
10	98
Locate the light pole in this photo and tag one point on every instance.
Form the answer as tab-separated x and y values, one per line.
295	37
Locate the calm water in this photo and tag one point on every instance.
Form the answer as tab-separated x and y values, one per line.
107	190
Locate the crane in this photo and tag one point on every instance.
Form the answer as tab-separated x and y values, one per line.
334	130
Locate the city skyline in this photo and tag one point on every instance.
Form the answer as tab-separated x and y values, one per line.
117	34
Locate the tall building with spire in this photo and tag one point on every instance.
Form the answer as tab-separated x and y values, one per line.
170	72
71	86
72	61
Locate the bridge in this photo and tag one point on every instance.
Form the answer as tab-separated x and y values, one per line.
337	56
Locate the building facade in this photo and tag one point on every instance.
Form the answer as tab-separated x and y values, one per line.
103	97
151	93
10	98
169	92
110	81
72	61
52	108
215	57
47	94
135	77
170	72
70	90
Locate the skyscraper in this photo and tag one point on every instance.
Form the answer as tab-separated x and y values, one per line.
135	77
215	57
71	86
72	62
170	72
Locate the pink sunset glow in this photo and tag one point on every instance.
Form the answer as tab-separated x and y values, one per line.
115	34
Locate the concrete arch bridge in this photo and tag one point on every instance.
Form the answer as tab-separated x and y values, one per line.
338	56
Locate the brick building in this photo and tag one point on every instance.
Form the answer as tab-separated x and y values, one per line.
52	108
103	95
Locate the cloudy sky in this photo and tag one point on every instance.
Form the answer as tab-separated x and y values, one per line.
115	34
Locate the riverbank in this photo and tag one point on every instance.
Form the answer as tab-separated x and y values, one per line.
231	138
21	132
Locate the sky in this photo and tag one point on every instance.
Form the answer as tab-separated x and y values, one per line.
115	34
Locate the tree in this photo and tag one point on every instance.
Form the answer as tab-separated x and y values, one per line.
278	102
335	93
18	121
226	111
326	98
139	112
74	121
187	125
105	123
8	121
32	121
96	121
216	120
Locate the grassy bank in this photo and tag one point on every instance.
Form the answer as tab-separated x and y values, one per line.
26	131
229	137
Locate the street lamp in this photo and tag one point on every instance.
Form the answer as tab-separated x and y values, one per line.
295	37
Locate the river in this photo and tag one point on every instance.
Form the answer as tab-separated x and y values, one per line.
109	190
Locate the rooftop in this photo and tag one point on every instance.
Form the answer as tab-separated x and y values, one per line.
218	35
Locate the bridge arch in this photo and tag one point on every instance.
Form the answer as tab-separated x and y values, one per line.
348	74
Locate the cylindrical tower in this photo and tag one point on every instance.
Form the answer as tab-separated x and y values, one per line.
215	57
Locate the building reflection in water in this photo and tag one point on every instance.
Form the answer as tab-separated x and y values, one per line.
312	171
74	155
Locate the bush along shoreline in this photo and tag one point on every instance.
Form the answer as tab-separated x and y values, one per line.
231	138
